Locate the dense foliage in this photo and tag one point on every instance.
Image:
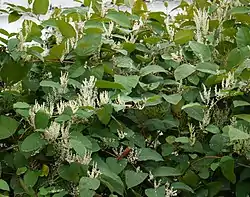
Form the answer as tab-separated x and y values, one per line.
103	102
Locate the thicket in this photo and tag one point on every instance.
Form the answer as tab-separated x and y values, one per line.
101	102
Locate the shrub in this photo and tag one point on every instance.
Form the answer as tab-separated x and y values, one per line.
101	102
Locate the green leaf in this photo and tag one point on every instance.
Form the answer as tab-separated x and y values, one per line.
40	6
87	193
166	171
207	67
181	186
70	172
51	84
89	183
245	117
66	29
183	71
239	10
78	146
21	170
30	178
236	134
88	45
128	82
117	166
201	50
227	168
21	105
108	85
13	16
8	127
194	110
240	103
119	17
104	114
149	154
151	69
183	36
183	140
133	178
212	129
243	37
33	142
41	119
157	192
4	185
173	99
218	142
124	62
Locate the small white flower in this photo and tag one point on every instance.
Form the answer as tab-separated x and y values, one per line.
103	98
169	191
52	133
94	173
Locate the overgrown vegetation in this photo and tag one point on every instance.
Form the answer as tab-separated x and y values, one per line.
100	102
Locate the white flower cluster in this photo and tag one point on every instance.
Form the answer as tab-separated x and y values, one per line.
133	155
63	144
201	19
94	173
169	191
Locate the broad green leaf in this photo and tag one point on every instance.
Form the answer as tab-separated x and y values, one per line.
33	142
116	165
166	171
41	119
119	17
128	82
183	36
89	44
104	114
212	129
207	67
87	193
50	84
124	62
202	51
194	110
40	6
151	69
21	170
13	16
239	10
236	134
30	178
181	186
149	154
240	103
8	127
78	146
243	37
227	168
183	140
133	178
173	99
70	172
6	72
66	29
218	142
78	136
183	71
157	192
89	183
57	51
4	185
108	85
237	56
245	117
